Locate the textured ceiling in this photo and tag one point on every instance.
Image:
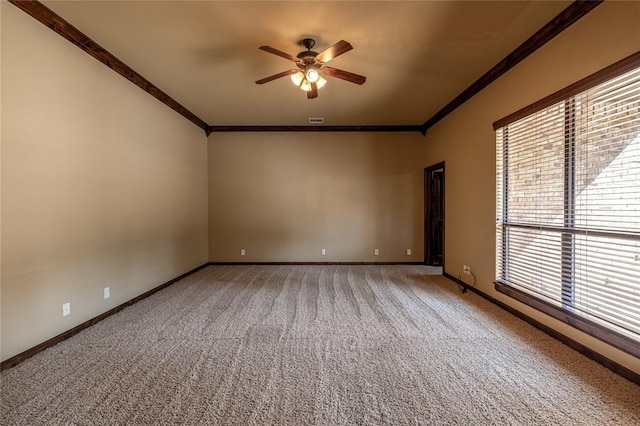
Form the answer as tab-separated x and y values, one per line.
417	56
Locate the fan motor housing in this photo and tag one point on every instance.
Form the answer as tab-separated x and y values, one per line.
307	56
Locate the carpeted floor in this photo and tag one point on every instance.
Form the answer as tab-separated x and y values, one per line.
324	345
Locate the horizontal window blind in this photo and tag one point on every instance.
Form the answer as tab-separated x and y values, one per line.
568	205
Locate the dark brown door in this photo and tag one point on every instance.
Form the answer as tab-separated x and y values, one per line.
434	214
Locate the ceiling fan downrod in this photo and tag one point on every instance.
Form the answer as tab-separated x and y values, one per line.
308	57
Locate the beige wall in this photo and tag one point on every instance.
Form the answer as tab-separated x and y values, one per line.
102	185
284	196
466	141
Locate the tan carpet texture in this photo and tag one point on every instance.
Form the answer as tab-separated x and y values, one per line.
314	345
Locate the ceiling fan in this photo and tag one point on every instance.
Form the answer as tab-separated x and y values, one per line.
310	64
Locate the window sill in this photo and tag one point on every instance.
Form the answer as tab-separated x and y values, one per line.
592	328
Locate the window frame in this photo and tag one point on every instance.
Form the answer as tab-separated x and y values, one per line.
564	312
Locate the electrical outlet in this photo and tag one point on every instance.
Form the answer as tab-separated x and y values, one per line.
66	309
107	292
408	252
376	252
466	270
324	252
242	252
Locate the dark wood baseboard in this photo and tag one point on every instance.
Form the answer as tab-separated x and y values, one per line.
315	263
579	347
601	359
15	360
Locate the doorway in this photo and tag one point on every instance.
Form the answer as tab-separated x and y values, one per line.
434	215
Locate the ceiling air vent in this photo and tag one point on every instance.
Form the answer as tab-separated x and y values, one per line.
316	120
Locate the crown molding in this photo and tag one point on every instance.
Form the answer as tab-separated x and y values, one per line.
562	21
56	23
401	128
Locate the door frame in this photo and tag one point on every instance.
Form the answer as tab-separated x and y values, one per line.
428	259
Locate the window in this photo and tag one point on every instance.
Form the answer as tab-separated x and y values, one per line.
568	205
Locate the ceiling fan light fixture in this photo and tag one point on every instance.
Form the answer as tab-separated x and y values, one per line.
297	78
312	75
304	83
305	86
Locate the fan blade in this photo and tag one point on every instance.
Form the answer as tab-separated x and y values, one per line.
278	52
313	93
275	76
334	51
344	75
